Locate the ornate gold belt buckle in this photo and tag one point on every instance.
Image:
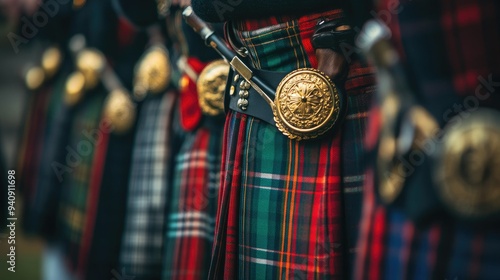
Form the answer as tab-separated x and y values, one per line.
306	104
211	85
468	173
153	72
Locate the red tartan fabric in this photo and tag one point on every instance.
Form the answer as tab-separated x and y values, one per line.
450	48
193	205
95	185
31	147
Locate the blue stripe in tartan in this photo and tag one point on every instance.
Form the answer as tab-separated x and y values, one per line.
421	269
394	264
459	263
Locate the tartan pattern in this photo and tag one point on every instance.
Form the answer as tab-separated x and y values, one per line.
142	244
360	87
31	148
32	142
94	197
281	201
76	184
447	45
191	219
47	191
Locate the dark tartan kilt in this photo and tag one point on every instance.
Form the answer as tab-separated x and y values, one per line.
451	51
142	242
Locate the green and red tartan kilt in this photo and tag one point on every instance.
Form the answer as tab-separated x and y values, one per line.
190	221
281	205
77	173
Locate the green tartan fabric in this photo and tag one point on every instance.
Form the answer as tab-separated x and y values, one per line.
281	203
79	158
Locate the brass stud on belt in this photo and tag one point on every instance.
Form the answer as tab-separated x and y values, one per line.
242	104
244	85
243	94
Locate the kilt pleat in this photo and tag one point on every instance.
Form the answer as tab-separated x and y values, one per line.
75	185
142	242
190	221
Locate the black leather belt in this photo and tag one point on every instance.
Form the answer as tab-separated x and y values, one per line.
256	106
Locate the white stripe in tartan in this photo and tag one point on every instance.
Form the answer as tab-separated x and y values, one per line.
142	244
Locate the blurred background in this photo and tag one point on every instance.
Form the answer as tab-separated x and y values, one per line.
14	98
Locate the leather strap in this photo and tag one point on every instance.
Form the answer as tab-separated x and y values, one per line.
257	107
327	37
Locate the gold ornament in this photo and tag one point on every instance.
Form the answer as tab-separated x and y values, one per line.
306	104
75	88
120	111
211	85
34	78
390	168
153	72
91	63
468	173
51	60
77	4
163	7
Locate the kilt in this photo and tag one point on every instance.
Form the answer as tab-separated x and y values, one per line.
282	204
31	148
79	159
32	143
106	205
190	221
142	243
447	46
45	195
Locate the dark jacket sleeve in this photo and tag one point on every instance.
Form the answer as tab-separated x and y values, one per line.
224	10
141	13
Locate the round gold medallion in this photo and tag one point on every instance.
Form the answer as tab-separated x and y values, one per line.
91	63
34	78
120	111
153	72
75	88
211	85
306	104
51	60
468	174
